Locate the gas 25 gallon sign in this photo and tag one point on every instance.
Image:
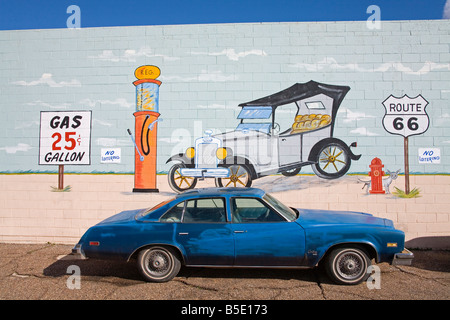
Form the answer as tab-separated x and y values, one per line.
405	116
65	137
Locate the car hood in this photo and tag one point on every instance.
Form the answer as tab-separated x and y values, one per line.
239	134
124	216
313	218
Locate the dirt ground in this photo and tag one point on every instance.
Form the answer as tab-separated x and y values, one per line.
49	272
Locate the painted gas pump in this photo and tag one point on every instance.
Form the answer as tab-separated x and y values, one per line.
146	119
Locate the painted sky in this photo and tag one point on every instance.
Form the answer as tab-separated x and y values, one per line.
47	14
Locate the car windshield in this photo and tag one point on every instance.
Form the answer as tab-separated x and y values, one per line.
287	212
256	119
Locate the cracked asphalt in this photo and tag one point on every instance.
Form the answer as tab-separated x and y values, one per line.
44	272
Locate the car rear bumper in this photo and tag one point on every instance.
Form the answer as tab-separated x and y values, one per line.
403	258
78	252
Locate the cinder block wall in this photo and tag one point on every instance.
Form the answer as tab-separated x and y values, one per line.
31	212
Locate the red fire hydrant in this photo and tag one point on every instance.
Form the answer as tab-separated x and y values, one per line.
376	175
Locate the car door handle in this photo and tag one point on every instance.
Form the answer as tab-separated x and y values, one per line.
240	231
183	233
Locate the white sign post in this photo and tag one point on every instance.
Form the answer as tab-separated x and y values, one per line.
406	117
65	138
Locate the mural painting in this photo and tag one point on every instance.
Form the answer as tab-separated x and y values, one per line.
307	142
262	145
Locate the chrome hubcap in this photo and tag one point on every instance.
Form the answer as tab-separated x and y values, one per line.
350	265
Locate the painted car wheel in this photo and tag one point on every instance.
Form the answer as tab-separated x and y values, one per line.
291	173
158	264
180	183
240	177
332	161
347	265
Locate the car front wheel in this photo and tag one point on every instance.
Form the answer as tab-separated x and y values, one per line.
158	264
347	265
178	182
239	177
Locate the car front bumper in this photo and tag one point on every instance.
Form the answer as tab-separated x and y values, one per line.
205	173
403	258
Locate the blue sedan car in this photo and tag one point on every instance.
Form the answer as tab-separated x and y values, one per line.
244	227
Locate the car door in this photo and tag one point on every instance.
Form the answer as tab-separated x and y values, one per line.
263	237
289	149
205	234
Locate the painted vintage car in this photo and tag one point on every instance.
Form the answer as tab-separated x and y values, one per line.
279	133
243	227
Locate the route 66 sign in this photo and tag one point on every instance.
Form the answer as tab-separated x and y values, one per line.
405	116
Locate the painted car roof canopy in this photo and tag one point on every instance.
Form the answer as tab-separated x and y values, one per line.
301	91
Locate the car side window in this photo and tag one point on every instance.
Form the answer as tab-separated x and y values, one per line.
205	211
174	214
249	210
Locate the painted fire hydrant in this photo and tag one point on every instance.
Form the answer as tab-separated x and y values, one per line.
146	118
376	175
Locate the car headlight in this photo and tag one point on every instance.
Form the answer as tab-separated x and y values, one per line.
190	153
221	153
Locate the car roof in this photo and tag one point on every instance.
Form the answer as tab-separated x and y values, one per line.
218	192
301	91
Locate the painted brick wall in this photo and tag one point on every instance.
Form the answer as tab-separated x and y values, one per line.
30	212
207	70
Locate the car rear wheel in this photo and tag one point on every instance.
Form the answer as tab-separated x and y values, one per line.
332	161
347	265
158	264
291	173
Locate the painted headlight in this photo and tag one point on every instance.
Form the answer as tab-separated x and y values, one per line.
221	153
190	153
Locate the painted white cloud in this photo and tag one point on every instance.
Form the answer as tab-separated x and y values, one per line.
26	124
216	106
363	132
130	55
47	79
351	116
22	147
121	102
204	76
232	55
446	13
112	142
331	63
102	123
43	104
